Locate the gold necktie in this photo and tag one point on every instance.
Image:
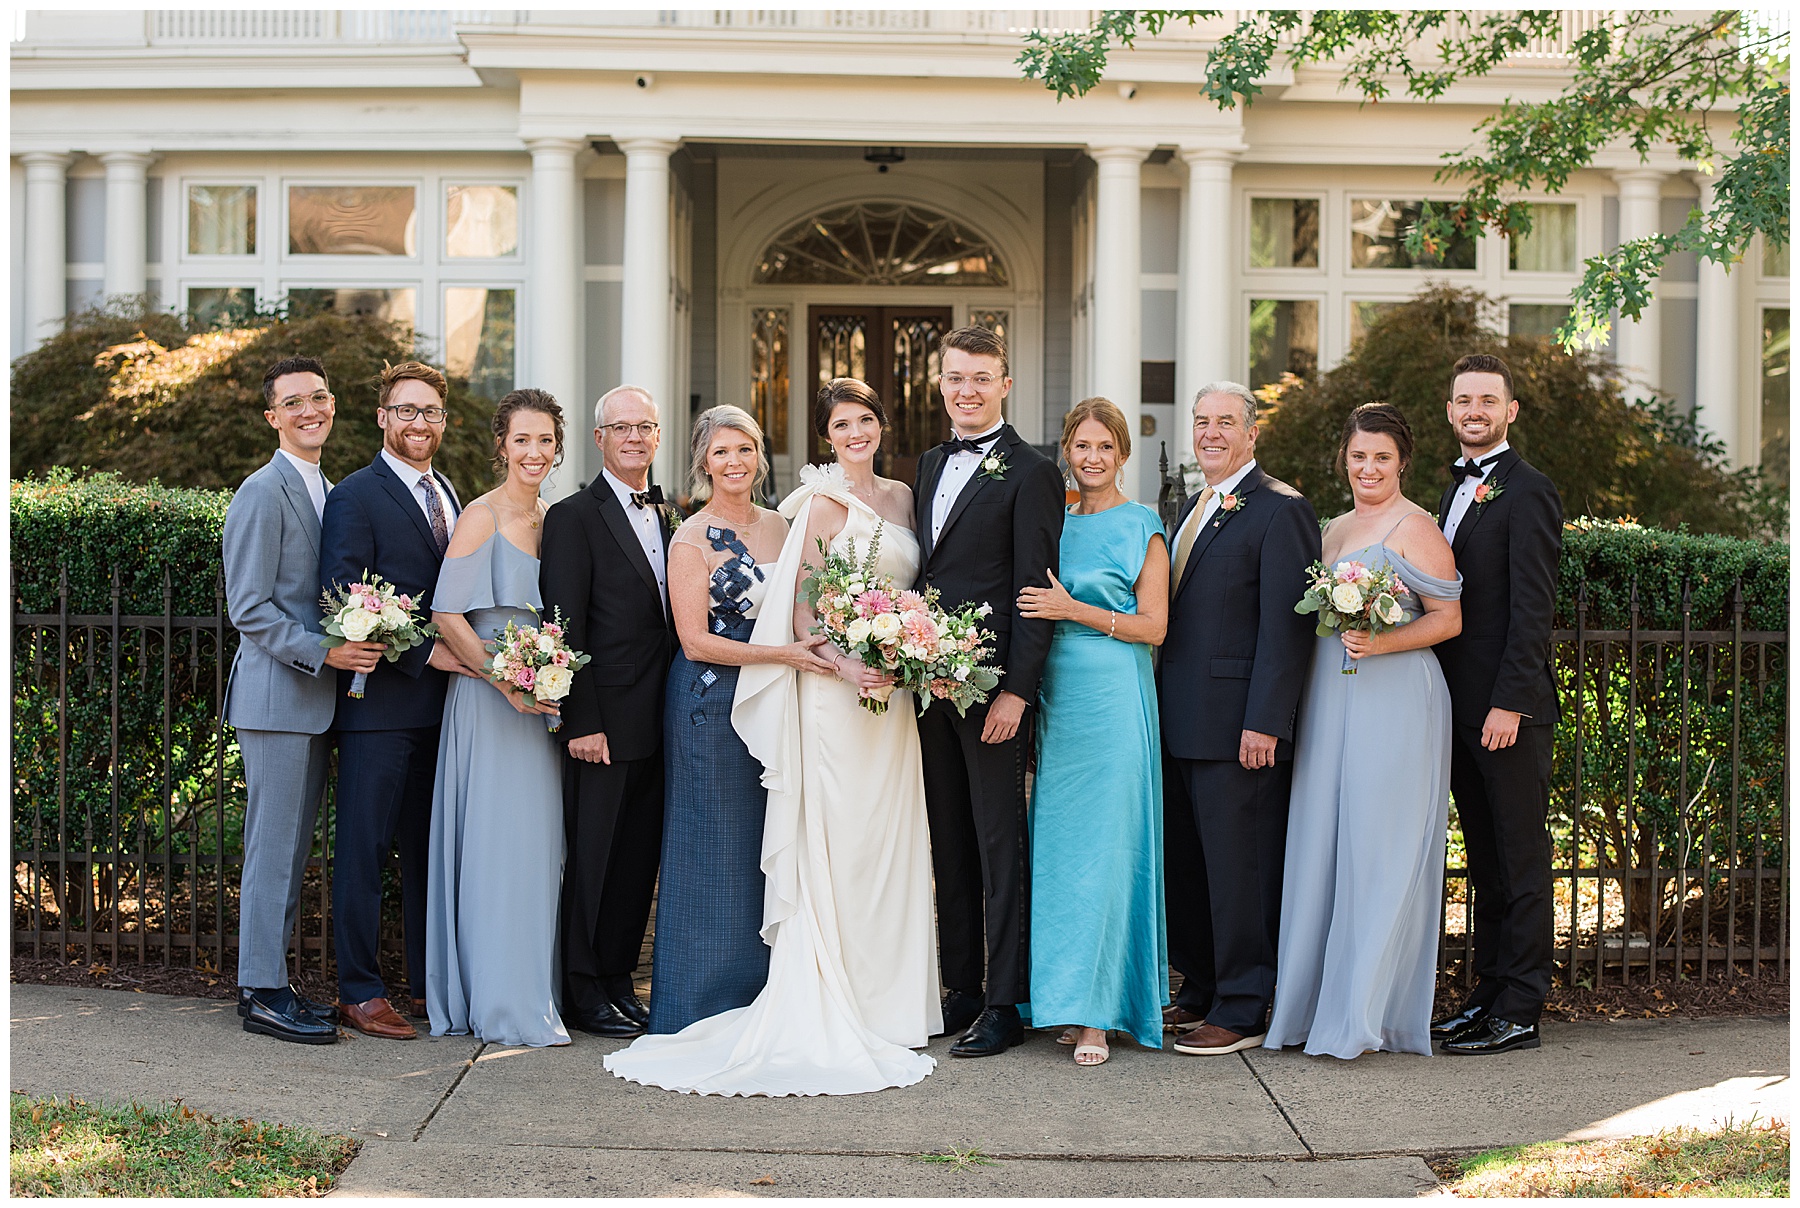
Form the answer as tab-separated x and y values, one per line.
1185	545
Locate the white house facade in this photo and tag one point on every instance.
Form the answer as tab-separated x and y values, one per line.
731	206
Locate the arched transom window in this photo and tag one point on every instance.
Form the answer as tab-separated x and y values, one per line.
876	243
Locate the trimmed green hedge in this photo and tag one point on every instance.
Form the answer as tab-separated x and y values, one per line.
1606	555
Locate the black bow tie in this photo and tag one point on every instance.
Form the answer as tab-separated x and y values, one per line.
1459	470
651	498
960	444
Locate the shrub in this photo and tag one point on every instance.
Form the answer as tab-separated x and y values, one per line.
1607	457
156	396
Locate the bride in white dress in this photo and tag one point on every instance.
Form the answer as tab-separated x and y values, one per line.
847	905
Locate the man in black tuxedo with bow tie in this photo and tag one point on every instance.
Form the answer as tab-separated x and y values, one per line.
989	511
605	564
1504	522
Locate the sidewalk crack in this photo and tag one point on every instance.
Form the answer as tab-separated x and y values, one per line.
449	1090
1292	1127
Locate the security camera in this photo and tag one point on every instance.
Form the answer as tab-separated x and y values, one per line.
1127	91
645	80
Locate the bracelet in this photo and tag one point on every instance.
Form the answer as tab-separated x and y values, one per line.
1114	631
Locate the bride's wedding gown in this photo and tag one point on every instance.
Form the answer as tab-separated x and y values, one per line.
847	908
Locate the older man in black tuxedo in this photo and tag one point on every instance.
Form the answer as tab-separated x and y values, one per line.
1229	687
1504	522
989	514
606	565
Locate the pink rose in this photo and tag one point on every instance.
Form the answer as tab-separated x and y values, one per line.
372	602
526	678
560	659
357	589
406	601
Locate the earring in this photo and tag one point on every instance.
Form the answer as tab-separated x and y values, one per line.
1119	478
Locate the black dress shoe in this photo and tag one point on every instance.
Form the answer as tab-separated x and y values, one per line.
1491	1034
278	1013
995	1030
622	994
961	1009
323	1012
1443	1029
604	1020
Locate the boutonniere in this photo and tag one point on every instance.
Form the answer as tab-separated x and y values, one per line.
671	518
994	466
1231	502
1487	492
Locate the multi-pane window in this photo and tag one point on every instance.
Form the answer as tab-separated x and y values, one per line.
353	220
1364	315
1536	318
1284	232
392	305
994	320
221	220
481	337
1775	379
481	221
1551	245
1378	231
1284	338
1774	258
769	372
217	305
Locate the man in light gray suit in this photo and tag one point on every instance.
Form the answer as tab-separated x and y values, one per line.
279	697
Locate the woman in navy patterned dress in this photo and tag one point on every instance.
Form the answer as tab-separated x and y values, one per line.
709	955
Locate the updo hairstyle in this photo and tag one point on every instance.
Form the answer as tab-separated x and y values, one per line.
1382	419
526	398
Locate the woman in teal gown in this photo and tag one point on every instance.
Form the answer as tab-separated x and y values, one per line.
1099	953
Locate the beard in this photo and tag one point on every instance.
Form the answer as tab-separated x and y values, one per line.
393	439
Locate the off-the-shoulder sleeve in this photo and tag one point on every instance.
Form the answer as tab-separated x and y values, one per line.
1424	584
467	583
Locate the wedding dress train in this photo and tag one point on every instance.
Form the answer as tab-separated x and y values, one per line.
847	904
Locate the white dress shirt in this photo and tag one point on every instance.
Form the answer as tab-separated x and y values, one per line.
410	477
647	524
1199	516
313	477
959	467
1465	491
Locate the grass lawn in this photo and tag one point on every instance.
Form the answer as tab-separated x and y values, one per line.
1733	1160
68	1147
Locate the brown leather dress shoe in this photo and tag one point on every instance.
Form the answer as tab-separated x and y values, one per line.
1178	1018
416	1008
376	1018
1210	1040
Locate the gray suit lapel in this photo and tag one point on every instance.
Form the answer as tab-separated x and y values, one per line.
299	499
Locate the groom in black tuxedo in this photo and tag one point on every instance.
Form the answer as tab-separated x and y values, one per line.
605	560
1504	523
989	511
1229	682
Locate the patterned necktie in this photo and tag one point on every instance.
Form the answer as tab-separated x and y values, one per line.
440	528
1185	546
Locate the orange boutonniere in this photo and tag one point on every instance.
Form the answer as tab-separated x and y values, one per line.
1487	492
1231	502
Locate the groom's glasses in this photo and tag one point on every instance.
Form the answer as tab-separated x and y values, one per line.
297	403
955	381
406	413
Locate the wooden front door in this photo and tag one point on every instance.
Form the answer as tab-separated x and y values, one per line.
894	350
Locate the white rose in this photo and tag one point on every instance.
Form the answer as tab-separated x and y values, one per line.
1388	609
546	644
855	587
858	631
360	624
553	683
393	617
886	627
908	650
1347	598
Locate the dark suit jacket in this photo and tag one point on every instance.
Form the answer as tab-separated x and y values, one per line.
594	569
375	522
1237	653
1507	550
1000	536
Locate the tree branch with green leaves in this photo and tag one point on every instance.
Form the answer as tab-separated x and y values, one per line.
1639	80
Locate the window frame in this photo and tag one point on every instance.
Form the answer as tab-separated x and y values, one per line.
422	237
1321	298
1247	215
1353	195
442	337
1535	276
185	233
446	182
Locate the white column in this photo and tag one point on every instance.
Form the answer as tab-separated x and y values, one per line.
46	243
1206	286
1118	302
644	335
1637	347
554	306
125	233
1716	359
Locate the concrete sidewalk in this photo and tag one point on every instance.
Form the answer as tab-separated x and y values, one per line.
454	1117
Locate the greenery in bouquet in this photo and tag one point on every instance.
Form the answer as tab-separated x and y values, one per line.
1353	595
372	610
535	659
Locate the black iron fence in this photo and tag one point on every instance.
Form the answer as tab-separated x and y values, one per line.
1669	802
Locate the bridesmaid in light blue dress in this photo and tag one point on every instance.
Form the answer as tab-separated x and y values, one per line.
1099	949
1364	871
496	851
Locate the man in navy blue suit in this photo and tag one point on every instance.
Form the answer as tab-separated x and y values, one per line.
393	517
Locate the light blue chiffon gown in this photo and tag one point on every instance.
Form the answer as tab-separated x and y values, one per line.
496	830
1364	874
1099	947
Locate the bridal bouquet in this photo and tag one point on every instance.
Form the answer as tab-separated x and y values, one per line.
372	611
933	653
536	660
1352	595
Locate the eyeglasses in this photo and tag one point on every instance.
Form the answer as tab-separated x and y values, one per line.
406	413
956	381
295	404
647	429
